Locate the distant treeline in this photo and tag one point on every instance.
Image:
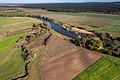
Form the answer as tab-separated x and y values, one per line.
98	7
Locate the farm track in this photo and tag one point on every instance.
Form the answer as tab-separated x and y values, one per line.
65	61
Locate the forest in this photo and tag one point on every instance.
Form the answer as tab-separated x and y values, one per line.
91	7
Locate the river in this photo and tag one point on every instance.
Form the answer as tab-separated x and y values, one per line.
60	30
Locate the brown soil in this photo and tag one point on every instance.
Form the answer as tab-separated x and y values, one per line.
64	61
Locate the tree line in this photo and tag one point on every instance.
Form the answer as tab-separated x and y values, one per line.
93	7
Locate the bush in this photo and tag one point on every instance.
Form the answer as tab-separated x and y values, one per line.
30	37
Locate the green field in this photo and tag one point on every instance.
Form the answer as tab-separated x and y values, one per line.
107	68
107	16
113	27
11	61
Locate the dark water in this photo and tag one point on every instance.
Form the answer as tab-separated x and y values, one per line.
60	30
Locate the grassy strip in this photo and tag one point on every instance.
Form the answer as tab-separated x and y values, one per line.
107	68
36	64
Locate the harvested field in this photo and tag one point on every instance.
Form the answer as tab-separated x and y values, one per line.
64	61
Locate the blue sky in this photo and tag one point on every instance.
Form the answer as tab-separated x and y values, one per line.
53	1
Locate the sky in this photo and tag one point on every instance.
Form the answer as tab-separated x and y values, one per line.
53	1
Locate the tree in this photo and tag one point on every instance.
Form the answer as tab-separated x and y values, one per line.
34	25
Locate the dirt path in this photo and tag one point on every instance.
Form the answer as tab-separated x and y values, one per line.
64	61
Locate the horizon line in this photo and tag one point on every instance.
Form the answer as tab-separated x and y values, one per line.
58	2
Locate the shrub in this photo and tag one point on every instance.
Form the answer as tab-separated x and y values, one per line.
30	37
